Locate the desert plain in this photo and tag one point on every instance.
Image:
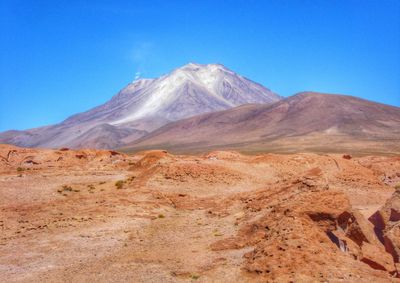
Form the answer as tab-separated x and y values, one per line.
104	216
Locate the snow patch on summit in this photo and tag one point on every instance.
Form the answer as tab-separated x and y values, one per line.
212	82
145	105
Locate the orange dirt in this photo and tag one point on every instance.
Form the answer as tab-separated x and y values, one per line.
220	217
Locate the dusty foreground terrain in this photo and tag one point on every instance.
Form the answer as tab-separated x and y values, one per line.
101	216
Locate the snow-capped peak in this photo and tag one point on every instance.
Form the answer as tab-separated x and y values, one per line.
189	90
144	105
209	67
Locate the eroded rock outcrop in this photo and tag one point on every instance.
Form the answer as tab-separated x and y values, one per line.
14	158
306	222
386	223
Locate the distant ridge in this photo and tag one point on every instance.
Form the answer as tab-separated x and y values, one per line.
307	121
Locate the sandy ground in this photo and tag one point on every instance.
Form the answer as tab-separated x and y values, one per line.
220	217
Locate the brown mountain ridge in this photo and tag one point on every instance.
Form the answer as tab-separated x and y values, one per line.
307	121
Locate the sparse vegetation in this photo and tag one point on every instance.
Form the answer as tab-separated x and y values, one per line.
217	233
66	188
161	216
397	187
195	276
119	184
131	178
20	169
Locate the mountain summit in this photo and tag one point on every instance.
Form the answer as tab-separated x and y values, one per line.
147	104
188	91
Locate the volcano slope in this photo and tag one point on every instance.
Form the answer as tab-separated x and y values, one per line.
102	216
305	122
145	105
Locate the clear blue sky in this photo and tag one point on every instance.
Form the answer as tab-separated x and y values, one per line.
63	57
